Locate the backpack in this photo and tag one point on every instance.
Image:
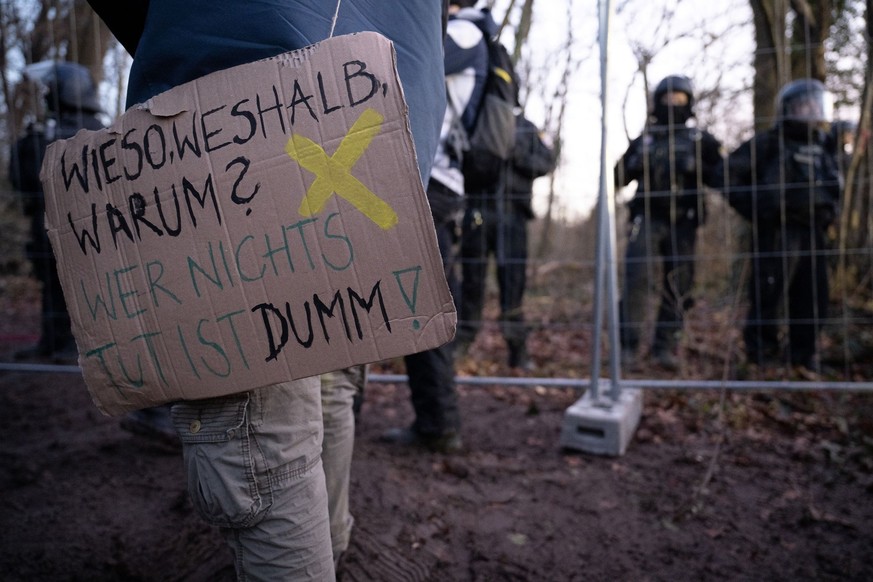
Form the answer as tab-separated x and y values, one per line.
490	142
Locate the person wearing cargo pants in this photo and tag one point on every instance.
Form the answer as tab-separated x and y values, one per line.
254	469
244	432
338	391
254	459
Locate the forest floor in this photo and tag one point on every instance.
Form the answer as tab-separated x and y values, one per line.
714	485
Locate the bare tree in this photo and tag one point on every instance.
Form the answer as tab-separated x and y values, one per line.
659	31
48	30
811	26
555	117
771	68
523	29
790	40
568	63
856	219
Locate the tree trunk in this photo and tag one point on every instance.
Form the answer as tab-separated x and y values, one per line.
521	33
811	25
856	221
91	40
770	57
62	29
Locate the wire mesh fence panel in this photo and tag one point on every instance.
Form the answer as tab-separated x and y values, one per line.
744	251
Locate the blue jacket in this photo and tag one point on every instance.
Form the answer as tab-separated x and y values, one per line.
178	42
467	54
466	68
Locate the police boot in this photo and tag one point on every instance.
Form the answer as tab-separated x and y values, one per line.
518	356
666	359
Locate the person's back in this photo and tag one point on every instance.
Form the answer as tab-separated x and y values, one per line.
432	372
182	41
531	159
254	459
466	64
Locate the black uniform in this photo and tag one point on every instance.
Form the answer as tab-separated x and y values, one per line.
496	224
671	164
432	372
786	182
25	162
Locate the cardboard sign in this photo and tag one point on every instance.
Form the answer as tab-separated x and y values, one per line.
257	225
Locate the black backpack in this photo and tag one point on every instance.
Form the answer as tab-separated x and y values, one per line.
490	142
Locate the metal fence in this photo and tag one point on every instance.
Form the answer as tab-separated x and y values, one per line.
573	305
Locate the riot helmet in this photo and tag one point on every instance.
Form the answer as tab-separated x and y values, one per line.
69	86
673	101
804	104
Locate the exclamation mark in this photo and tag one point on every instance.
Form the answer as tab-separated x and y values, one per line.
407	281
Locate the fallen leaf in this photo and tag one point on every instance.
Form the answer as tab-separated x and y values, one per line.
519	539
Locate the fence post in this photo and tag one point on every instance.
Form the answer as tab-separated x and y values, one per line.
594	424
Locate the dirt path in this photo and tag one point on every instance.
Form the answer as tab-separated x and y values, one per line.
789	495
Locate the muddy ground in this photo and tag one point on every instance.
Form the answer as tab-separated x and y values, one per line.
733	486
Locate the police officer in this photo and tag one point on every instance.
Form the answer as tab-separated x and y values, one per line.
671	162
496	224
786	182
71	104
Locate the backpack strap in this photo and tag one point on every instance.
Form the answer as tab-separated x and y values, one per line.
457	140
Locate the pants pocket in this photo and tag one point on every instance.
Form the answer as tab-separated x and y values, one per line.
220	463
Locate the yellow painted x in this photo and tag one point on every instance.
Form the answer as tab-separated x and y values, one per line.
333	174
